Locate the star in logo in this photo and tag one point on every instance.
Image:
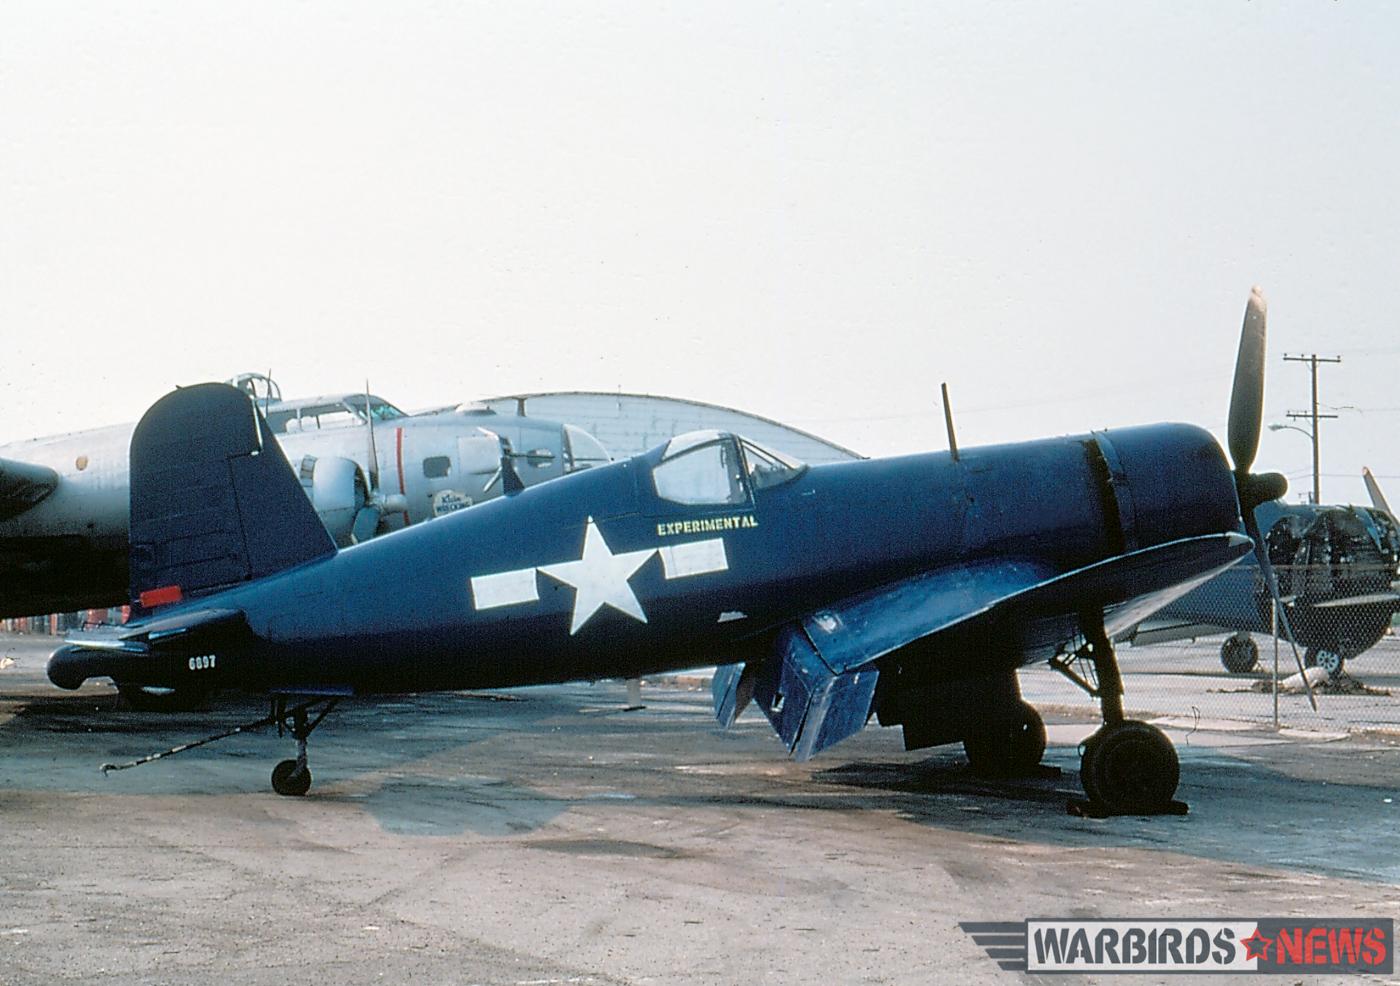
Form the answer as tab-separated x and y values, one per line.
1256	946
600	578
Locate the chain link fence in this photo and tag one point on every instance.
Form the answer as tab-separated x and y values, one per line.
1221	654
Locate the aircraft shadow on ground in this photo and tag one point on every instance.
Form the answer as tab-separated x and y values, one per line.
363	758
1242	812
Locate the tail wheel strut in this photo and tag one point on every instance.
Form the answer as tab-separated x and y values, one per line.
292	778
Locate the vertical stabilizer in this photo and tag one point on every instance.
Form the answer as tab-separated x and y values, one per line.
213	500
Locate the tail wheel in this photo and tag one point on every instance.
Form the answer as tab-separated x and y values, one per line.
1130	768
1013	746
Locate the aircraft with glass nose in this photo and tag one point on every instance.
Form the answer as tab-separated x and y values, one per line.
906	589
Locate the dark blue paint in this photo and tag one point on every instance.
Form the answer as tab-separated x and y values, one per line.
920	557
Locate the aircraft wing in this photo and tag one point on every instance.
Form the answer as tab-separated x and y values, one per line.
817	687
1367	599
22	485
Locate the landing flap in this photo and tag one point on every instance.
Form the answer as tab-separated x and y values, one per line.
731	692
809	705
22	485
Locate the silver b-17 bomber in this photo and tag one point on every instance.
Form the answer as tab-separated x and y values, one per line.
367	467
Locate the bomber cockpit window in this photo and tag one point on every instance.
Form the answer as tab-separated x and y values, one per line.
379	409
331	413
707	473
767	467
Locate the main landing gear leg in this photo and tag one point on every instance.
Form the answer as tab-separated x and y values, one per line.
292	778
1128	767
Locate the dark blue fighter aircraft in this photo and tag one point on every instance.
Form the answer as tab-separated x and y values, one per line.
908	588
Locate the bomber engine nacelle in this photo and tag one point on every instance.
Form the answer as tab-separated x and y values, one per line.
340	493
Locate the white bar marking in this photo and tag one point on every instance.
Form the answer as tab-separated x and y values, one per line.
505	589
694	558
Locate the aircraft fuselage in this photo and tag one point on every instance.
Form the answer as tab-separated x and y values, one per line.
597	575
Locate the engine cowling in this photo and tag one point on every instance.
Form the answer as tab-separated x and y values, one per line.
338	490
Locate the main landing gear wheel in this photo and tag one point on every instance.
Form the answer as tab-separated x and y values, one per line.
291	779
1328	660
1130	768
1239	653
1013	747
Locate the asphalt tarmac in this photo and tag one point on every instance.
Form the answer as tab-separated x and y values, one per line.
547	836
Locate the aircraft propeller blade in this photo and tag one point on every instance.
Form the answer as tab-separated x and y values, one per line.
1261	555
1247	395
1374	489
1246	421
1247	410
373	450
366	523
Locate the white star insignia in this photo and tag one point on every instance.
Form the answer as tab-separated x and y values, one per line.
600	578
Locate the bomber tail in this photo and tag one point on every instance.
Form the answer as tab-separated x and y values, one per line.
213	500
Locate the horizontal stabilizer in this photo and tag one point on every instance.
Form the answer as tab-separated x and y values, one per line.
153	651
22	485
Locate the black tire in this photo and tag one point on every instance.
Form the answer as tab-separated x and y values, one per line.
1013	747
1130	768
153	698
1239	653
290	782
1327	659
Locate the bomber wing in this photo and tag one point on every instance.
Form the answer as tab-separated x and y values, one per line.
817	686
22	485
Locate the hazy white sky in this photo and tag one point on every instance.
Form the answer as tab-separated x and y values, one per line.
814	212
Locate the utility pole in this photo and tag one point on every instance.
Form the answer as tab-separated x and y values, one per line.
1312	360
